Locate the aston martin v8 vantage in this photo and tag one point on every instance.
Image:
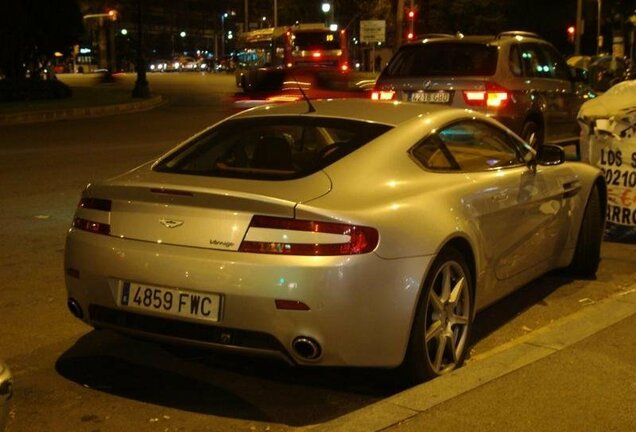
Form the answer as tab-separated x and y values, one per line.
331	233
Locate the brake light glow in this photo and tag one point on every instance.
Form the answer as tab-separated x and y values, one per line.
93	226
274	235
494	96
316	54
383	95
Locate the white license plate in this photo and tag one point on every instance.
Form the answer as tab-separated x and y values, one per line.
168	301
431	97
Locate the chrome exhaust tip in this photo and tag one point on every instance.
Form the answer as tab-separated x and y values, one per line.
75	308
306	348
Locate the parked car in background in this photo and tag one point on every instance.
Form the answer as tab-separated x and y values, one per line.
334	233
515	77
6	392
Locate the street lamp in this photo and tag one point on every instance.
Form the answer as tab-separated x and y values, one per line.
326	7
225	15
142	89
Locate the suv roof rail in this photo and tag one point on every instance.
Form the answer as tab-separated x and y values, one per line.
421	37
513	33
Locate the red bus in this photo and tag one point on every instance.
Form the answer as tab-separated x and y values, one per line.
264	57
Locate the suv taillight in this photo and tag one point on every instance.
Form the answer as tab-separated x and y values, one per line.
274	235
494	96
382	95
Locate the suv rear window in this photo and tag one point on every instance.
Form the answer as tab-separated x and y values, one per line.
443	58
272	148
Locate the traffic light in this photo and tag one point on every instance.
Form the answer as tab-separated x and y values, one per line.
571	32
410	15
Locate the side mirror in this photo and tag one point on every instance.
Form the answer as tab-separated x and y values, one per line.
550	154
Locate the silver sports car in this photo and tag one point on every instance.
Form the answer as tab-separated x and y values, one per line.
342	232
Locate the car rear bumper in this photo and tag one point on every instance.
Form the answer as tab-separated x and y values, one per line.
360	306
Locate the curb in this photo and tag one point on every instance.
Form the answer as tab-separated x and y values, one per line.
77	113
494	364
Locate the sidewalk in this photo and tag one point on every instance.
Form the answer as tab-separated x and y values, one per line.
577	374
91	98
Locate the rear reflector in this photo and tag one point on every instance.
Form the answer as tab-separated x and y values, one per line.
273	235
291	305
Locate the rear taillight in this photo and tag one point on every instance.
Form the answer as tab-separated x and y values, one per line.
382	95
273	235
494	96
91	225
95	204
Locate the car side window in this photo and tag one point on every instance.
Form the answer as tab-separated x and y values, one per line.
468	145
534	62
555	61
514	61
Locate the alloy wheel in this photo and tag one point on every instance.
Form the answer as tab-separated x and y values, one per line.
447	318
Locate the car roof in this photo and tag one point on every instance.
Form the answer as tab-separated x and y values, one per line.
385	112
498	39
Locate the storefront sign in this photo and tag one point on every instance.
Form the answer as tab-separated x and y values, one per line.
613	149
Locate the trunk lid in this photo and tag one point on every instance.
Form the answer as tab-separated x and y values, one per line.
197	211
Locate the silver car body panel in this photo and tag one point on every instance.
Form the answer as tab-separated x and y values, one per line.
519	223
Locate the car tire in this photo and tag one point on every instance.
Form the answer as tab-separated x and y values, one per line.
443	320
532	134
587	254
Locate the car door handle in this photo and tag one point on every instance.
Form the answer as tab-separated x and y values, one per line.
571	189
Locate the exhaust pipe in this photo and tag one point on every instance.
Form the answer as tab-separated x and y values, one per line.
306	348
75	308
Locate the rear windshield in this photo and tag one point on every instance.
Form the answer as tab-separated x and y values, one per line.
443	59
270	147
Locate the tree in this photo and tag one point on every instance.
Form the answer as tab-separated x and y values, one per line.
31	31
466	16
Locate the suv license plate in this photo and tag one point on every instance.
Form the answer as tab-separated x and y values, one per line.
168	301
431	97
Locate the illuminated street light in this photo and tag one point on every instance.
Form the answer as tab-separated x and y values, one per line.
223	16
183	34
326	8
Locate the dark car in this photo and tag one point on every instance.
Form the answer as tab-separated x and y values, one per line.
606	71
515	77
6	391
